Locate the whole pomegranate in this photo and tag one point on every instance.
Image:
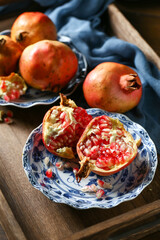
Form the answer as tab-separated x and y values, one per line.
31	27
48	65
113	87
105	147
10	53
62	127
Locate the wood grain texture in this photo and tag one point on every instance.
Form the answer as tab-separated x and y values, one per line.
128	33
2	233
114	228
145	17
9	222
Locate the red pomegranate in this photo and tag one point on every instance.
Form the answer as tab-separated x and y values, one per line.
113	87
10	53
62	127
31	27
105	147
48	65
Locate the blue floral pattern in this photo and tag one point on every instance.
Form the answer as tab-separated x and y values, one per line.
34	96
63	187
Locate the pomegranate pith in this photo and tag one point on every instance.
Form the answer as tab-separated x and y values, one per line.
62	127
105	147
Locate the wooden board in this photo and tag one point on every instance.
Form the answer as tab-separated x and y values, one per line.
34	215
128	33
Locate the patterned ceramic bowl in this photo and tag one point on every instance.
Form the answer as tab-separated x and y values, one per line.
36	97
63	187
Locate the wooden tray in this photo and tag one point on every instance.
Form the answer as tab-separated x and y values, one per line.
25	213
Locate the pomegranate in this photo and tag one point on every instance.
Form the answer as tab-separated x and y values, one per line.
48	65
31	27
105	147
12	87
113	87
62	127
10	53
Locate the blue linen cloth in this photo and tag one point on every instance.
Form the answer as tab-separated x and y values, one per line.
81	21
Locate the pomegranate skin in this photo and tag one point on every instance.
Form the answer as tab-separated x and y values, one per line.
113	87
62	127
31	27
48	65
10	53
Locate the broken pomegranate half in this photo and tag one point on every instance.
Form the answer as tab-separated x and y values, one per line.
12	87
105	147
62	127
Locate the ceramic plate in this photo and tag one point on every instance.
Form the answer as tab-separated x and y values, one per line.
36	97
63	187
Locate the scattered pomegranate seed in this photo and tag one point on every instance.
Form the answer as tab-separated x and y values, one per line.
100	193
49	173
6	116
8	120
10	113
59	165
103	184
100	183
89	188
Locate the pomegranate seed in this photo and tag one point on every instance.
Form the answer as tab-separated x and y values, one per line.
3	86
100	193
88	143
119	132
10	113
8	120
7	98
86	152
89	188
62	115
12	97
59	165
49	173
103	184
100	182
123	147
93	187
103	126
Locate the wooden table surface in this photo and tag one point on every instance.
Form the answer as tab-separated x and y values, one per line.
25	213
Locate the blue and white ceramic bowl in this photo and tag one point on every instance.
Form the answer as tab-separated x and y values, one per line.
36	97
63	187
